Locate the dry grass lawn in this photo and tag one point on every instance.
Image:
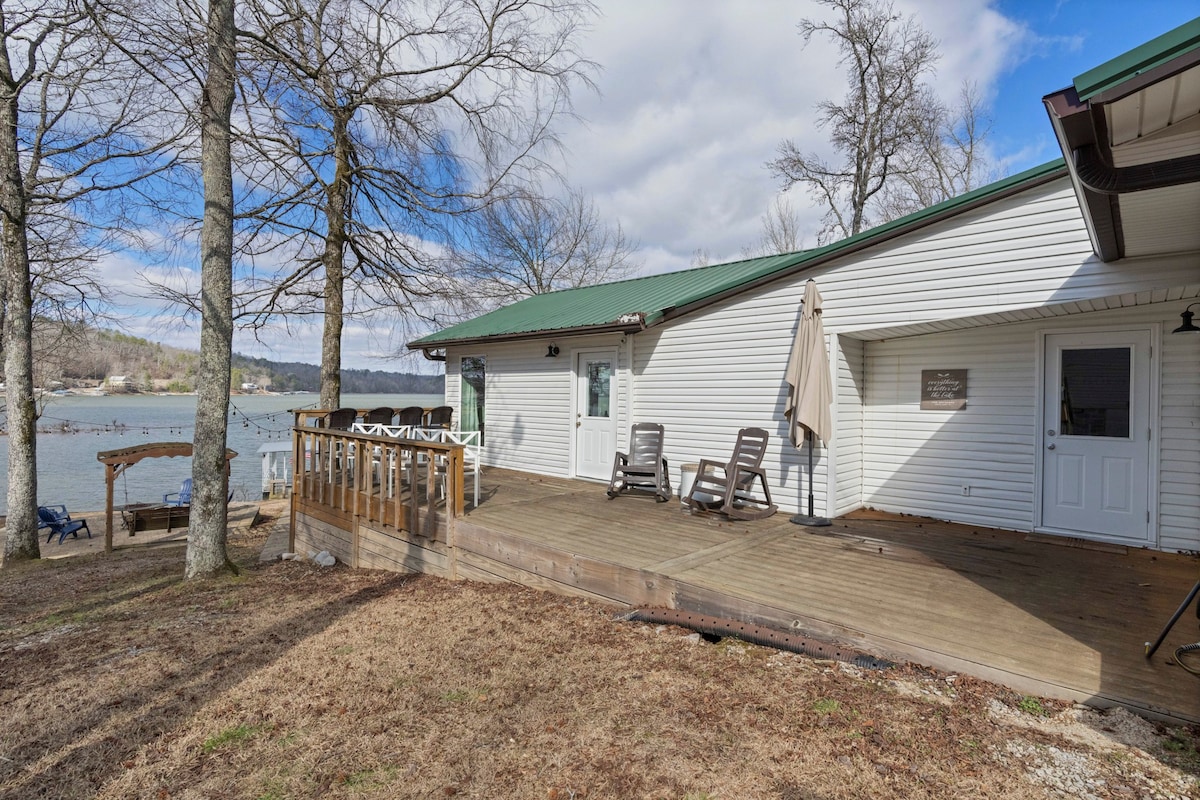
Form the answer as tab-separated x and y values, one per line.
118	680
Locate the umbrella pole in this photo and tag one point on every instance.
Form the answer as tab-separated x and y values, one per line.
809	519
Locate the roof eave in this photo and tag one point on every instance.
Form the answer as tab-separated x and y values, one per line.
837	252
1078	116
791	265
626	324
1074	125
1148	63
1145	79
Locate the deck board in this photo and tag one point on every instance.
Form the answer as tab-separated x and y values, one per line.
1065	621
1069	620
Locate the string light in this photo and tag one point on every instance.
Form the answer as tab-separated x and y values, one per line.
268	422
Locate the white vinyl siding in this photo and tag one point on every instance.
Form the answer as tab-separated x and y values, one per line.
849	390
1179	442
917	461
528	401
709	373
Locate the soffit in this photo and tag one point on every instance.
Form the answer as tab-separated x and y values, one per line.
1027	314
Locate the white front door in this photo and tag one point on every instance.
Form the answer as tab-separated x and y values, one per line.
595	413
1095	441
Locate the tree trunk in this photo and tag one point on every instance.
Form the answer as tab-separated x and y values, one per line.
206	553
333	259
21	539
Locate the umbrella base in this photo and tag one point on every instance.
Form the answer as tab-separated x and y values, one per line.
810	521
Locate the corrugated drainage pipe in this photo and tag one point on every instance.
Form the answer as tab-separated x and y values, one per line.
755	634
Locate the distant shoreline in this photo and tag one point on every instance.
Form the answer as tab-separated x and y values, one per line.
104	393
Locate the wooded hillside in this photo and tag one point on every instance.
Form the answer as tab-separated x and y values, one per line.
88	357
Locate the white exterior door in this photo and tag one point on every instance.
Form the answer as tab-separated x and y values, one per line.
595	413
1095	441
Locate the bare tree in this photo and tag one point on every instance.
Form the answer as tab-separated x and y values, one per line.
781	230
367	124
206	553
888	121
21	527
947	160
75	127
524	245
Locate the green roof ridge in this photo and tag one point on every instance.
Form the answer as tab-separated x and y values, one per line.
654	295
1140	59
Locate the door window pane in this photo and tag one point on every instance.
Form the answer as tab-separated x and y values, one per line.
1095	391
599	379
472	378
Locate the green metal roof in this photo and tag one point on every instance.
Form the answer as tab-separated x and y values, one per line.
642	302
1142	58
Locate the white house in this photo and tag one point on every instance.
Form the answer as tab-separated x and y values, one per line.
1052	297
119	383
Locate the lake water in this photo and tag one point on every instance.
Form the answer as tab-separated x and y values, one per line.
73	429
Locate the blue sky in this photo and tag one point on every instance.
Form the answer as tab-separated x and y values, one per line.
695	96
1101	29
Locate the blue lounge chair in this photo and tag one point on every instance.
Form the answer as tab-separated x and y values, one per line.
55	521
59	512
183	497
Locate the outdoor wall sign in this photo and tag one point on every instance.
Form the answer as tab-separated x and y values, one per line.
943	389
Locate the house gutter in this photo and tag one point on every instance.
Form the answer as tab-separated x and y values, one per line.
626	323
1098	175
431	353
1075	129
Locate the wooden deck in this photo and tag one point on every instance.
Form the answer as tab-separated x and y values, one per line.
1043	618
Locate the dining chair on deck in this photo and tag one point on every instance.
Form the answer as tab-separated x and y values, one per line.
340	419
412	415
732	483
472	451
643	467
379	416
440	417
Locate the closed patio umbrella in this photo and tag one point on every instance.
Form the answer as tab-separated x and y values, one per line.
810	389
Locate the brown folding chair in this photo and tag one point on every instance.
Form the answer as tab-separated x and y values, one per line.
732	483
643	467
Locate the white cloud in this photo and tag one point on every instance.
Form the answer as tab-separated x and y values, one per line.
697	96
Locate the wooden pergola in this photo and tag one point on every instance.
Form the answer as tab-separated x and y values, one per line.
117	461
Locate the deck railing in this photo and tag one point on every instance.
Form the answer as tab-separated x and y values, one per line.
402	483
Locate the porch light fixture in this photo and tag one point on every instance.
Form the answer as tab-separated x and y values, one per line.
1187	326
552	350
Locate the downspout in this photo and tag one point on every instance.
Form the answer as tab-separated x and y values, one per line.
639	319
1098	175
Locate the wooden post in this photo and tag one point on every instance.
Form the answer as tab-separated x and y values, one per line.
355	480
110	477
297	470
454	502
